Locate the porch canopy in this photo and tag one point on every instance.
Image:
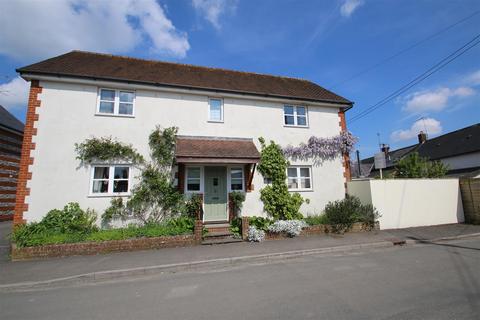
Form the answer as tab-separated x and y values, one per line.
192	149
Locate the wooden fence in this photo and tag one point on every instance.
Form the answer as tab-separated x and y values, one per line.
470	189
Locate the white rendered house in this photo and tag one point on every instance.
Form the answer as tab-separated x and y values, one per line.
220	115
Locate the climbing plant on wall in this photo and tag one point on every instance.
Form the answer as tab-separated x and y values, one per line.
278	202
106	149
321	149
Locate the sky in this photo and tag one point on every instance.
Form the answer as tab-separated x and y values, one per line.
362	50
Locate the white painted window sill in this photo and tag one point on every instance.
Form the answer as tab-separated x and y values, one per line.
115	115
108	195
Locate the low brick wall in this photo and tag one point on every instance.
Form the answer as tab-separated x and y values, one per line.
91	248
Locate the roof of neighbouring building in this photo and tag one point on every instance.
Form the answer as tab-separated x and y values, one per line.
455	143
118	68
212	149
9	121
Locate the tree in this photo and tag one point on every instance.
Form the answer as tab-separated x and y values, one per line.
414	166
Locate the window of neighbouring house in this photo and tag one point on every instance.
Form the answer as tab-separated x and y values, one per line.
295	116
193	179
299	178
215	112
110	180
236	179
116	102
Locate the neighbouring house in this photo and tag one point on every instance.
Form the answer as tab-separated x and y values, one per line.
459	149
11	136
220	115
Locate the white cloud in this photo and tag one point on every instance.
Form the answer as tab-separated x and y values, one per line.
211	10
38	29
14	94
474	78
434	100
428	125
349	6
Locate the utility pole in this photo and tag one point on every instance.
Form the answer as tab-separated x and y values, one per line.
358	164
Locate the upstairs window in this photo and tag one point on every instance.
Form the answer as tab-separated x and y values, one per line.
299	178
215	111
295	116
110	180
116	102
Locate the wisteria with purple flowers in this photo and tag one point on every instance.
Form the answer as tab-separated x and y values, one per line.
321	149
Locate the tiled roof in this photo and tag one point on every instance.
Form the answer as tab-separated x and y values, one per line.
118	68
9	121
190	149
462	141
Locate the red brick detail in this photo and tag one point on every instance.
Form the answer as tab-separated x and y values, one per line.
346	157
27	146
198	231
91	248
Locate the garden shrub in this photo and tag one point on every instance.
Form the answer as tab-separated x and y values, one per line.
237	199
342	214
314	220
260	222
71	219
292	228
193	205
255	235
278	202
236	226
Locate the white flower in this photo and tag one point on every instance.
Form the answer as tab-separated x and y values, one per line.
291	227
255	235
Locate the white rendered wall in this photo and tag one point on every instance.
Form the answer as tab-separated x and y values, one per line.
407	203
67	116
469	160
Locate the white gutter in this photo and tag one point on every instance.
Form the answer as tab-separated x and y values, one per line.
134	86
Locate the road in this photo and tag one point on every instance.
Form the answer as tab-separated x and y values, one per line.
432	281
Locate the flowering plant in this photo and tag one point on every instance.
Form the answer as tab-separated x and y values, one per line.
322	148
255	235
291	227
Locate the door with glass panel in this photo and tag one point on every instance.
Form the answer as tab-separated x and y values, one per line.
215	197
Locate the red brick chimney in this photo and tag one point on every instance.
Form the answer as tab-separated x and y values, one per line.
422	137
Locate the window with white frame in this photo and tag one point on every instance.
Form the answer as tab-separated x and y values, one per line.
295	116
215	110
193	179
116	102
236	179
299	178
110	180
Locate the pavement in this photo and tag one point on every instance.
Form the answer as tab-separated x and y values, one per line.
427	281
88	268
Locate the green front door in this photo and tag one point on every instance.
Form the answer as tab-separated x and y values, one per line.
215	198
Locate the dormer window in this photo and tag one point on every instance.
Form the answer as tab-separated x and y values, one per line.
116	102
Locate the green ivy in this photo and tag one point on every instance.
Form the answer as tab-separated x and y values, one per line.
154	198
237	199
106	149
278	202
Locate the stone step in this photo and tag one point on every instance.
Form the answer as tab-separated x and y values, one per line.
220	240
